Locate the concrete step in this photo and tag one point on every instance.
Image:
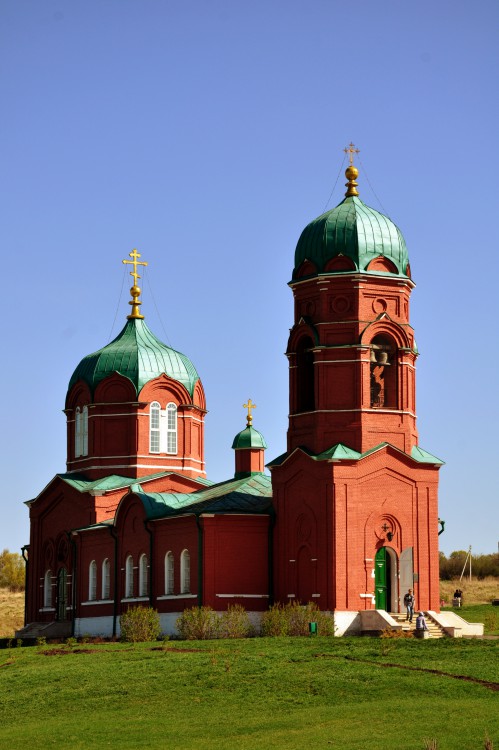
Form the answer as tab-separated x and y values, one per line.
45	630
434	630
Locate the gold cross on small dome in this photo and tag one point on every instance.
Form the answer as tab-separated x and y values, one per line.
135	290
351	150
249	406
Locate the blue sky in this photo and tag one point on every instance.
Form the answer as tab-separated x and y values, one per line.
207	135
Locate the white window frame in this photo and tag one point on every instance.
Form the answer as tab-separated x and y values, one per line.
169	574
129	577
77	432
84	431
47	589
92	581
143	577
185	572
170	430
155	431
106	579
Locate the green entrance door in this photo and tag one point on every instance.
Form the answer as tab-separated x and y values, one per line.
61	594
382	579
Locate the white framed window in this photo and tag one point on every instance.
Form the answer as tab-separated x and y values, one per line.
84	431
169	573
106	579
185	572
171	428
154	431
77	432
143	578
81	431
47	589
92	581
129	577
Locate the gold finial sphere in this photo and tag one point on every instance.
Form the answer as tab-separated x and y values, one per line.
351	173
135	290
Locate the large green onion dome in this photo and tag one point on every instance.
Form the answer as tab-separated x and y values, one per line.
138	355
354	231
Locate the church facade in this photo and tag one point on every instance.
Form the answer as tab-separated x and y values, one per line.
348	517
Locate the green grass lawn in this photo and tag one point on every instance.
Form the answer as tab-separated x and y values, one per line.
301	693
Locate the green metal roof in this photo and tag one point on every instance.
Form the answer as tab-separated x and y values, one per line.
340	452
249	495
138	355
356	231
249	438
114	481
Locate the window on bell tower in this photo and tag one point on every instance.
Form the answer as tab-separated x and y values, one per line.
305	384
383	373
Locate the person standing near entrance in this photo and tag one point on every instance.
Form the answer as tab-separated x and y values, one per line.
409	604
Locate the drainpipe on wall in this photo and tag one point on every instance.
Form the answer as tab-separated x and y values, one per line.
115	602
72	542
442	524
25	556
200	560
151	566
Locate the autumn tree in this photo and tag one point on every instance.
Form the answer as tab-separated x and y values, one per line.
12	571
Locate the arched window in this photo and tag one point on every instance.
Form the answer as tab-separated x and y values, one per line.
154	434
81	431
185	572
305	383
129	577
383	373
106	579
169	573
171	428
77	432
84	431
47	589
143	575
92	581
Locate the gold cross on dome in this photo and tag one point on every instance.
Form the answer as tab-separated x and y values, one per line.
135	290
134	262
249	406
351	150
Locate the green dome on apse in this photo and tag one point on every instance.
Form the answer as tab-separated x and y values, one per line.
249	438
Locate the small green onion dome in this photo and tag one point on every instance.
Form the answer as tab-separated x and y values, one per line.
356	231
138	355
249	438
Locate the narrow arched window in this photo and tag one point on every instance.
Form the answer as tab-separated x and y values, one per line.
84	431
143	587
383	373
171	428
185	572
47	589
77	432
129	577
154	434
106	579
169	573
305	382
92	581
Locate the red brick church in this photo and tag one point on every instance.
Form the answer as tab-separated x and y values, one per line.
347	518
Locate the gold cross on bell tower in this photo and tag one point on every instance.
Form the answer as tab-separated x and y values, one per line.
135	290
249	406
351	172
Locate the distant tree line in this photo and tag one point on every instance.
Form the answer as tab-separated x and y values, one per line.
12	571
481	565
